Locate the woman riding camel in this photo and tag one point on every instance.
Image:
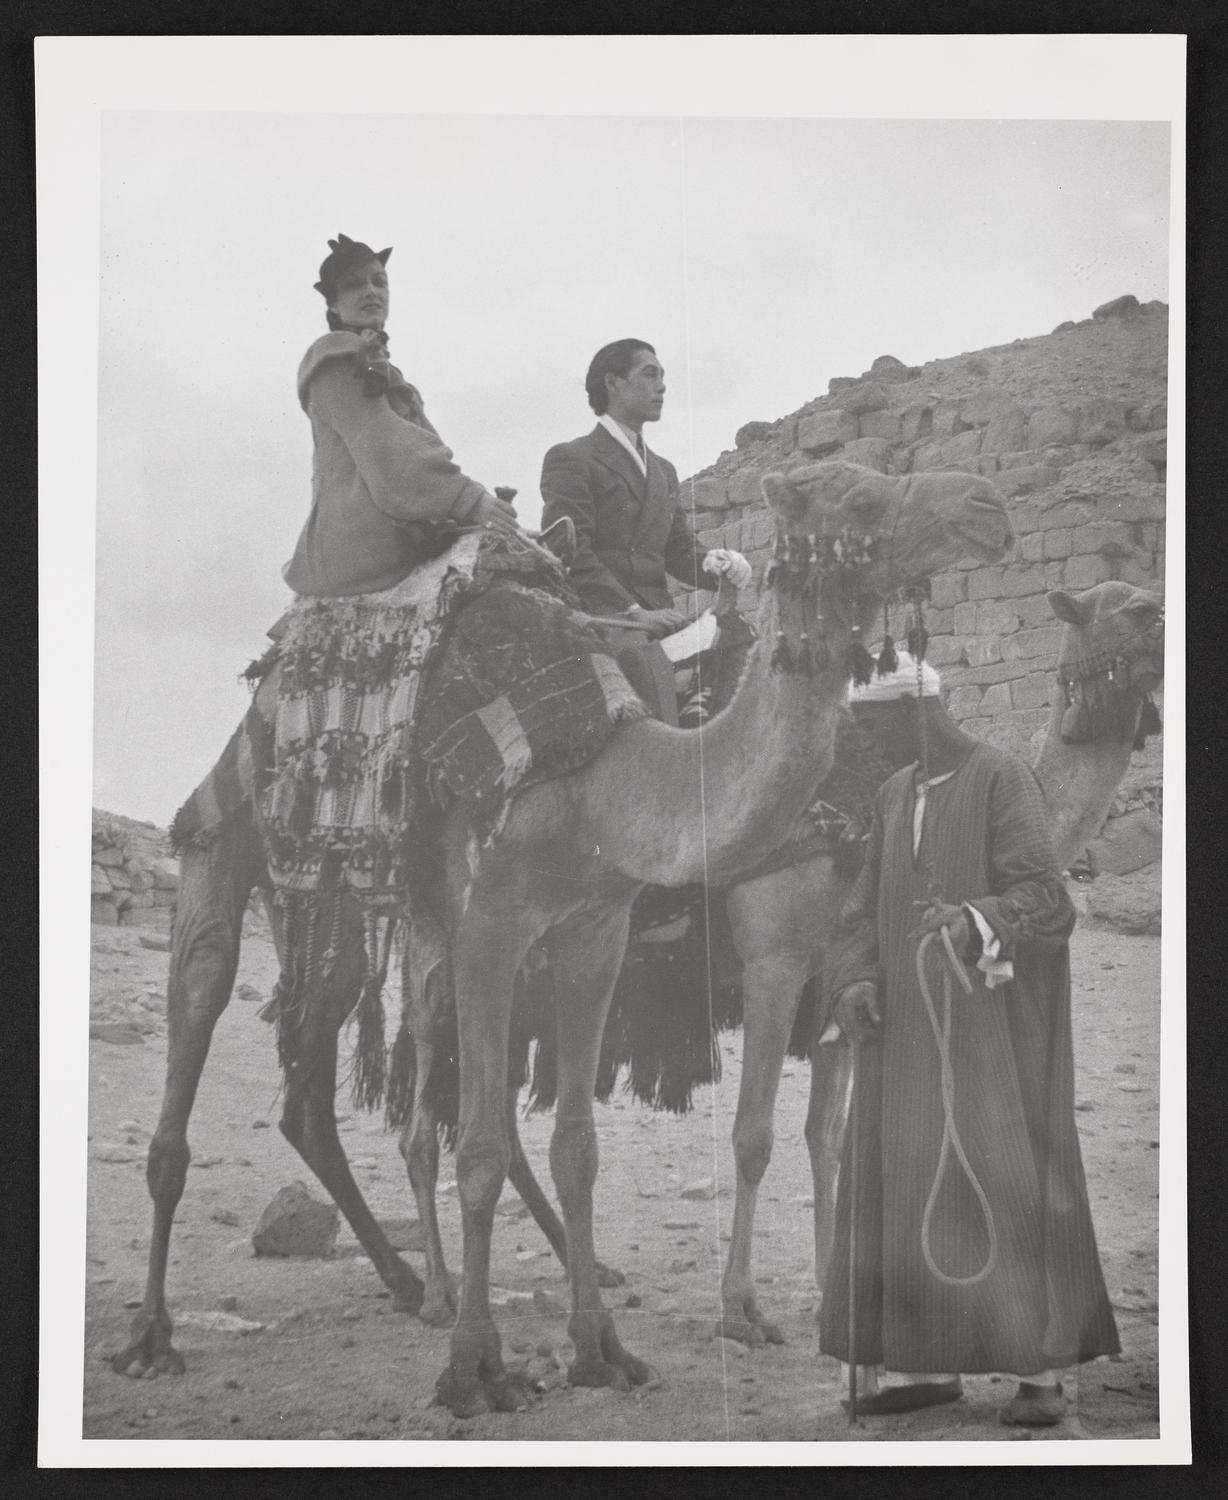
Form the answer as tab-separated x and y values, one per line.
384	485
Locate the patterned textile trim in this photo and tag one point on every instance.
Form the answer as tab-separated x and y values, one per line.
524	691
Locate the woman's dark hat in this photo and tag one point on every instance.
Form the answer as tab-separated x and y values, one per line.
346	255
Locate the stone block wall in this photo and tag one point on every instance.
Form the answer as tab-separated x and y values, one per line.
1082	473
133	883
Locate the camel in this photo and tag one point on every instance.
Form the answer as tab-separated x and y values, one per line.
657	805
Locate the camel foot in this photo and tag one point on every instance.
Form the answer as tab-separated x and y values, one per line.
602	1360
473	1394
438	1308
745	1324
607	1276
150	1352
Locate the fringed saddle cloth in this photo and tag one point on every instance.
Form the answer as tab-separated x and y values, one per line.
471	676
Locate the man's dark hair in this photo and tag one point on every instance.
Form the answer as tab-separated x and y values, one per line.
614	359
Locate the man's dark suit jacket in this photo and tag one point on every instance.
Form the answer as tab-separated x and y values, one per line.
630	531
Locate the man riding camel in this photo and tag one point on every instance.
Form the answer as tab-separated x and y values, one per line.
631	530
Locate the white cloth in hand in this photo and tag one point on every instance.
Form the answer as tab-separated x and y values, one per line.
724	561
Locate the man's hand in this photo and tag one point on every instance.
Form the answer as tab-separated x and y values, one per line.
856	1012
725	562
942	914
491	511
662	621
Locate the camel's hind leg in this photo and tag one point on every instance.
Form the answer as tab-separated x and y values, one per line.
214	884
830	1076
419	1147
771	988
309	1119
588	953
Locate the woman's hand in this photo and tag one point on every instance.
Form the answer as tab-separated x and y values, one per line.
491	511
662	621
856	1011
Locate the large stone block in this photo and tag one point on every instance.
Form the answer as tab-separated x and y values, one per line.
745	488
137	899
103	913
1141	571
963	701
880	424
916	422
1032	546
873	452
996	699
142	880
888	370
1059	542
1035	611
965	619
1101	421
865	398
1052	424
944	650
948	589
1109	538
926	455
1032	690
1083	572
1128	843
946	420
985	583
1040	643
1119	307
1008	430
109	855
99	884
996	617
825	431
962	448
759	530
981	651
1019	579
991	401
981	676
119	878
1127	903
1068	515
1026	481
703	494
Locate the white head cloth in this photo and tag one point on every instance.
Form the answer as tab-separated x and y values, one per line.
902	683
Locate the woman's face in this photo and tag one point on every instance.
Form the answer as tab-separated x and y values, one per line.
361	298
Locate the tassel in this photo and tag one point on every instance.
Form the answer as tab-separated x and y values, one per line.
370	1063
1148	723
888	661
858	662
918	640
782	658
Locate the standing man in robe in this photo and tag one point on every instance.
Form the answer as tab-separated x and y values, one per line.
962	843
631	530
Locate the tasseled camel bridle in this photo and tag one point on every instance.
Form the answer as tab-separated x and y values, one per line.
1097	689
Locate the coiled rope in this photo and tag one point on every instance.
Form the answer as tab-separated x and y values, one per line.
950	1135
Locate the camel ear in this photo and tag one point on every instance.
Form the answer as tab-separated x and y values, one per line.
1066	607
783	496
1143	611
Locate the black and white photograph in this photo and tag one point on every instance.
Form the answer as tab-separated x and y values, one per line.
635	651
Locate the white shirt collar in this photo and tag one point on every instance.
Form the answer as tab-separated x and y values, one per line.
621	435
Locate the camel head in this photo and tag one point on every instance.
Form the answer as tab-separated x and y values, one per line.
849	538
1111	660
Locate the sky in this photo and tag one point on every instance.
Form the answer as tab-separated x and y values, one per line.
761	257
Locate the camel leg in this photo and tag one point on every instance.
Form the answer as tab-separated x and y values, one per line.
771	988
830	1077
520	1175
419	1146
214	884
588	954
490	937
309	1119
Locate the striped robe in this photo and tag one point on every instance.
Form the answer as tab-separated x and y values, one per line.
985	838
